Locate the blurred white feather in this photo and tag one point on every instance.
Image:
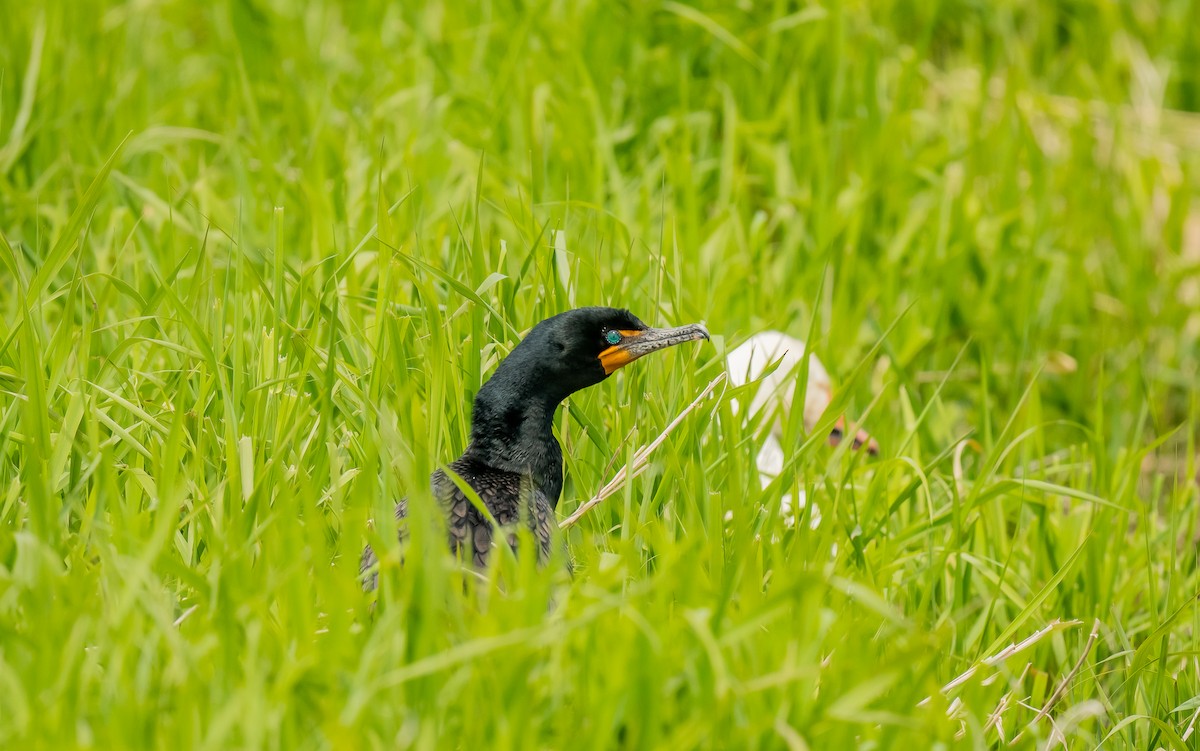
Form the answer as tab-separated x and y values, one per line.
748	363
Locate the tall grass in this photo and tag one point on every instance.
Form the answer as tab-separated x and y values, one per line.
259	256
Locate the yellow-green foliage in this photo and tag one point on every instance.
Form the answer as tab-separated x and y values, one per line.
257	257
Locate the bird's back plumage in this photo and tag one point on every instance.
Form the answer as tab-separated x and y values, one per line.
510	498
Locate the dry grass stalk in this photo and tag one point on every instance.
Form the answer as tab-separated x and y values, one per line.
1004	654
639	461
1061	689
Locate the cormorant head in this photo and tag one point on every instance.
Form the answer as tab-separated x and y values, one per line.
582	347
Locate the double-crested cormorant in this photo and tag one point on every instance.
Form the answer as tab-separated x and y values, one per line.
513	462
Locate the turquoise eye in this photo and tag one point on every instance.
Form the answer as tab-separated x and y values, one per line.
613	337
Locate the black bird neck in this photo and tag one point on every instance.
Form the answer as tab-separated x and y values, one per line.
512	428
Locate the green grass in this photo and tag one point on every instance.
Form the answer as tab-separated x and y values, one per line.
258	257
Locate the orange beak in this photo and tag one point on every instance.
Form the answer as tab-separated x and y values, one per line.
861	438
635	344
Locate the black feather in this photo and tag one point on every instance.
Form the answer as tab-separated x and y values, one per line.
513	461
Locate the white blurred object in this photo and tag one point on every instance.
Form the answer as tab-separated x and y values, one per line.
747	364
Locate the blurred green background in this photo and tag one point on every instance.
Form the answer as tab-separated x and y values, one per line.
258	257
